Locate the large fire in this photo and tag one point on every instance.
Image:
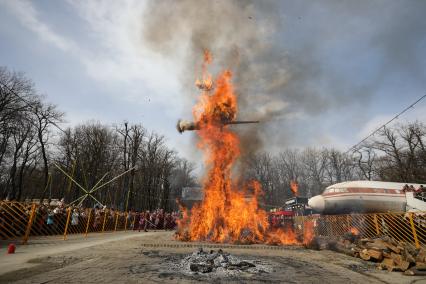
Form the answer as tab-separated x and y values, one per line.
294	186
227	213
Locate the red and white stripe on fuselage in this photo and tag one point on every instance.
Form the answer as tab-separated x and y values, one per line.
361	190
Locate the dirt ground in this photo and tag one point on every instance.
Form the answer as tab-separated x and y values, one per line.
147	257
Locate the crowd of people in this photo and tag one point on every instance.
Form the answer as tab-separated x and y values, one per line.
411	188
157	220
277	220
419	192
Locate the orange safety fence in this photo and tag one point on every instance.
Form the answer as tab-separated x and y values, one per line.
24	220
407	226
14	219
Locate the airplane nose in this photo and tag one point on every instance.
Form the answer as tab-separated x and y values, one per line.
317	203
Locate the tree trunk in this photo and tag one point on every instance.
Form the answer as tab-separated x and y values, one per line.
45	164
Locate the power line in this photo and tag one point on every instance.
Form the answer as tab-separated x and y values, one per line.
384	125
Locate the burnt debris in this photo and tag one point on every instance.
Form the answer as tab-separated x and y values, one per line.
219	263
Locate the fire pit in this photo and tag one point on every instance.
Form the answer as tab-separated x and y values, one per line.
219	263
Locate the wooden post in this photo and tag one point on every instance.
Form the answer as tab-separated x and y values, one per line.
68	221
105	217
125	224
88	223
413	228
29	224
116	221
376	223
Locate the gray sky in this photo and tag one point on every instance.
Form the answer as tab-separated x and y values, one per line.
320	73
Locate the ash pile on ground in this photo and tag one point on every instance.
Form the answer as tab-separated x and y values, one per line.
220	264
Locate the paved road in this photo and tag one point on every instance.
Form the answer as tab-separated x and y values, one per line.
54	245
134	257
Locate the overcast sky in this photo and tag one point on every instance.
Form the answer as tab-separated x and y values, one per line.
345	66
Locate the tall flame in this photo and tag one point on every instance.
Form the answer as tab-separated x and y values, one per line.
227	213
294	186
354	231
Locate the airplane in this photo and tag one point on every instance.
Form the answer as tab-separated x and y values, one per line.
367	197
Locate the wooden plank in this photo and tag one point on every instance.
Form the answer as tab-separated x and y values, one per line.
421	266
376	254
397	258
364	255
420	257
393	248
377	245
404	265
386	262
407	256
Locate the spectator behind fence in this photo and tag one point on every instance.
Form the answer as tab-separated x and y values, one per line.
406	188
147	220
141	221
421	192
74	217
50	216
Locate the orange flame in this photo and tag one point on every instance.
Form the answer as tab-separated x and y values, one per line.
227	213
308	231
354	231
206	83
294	186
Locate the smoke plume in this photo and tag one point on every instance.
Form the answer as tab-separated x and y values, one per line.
282	55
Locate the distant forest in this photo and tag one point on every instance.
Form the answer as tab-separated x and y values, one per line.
394	154
33	145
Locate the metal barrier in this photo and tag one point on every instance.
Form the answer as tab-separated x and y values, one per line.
408	227
22	220
15	219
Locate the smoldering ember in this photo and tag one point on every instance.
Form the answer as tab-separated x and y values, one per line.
212	141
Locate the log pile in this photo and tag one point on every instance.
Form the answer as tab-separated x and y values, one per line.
388	253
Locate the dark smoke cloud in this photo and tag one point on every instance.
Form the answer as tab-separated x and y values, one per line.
292	61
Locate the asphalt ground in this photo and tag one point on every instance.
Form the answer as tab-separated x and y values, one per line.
139	257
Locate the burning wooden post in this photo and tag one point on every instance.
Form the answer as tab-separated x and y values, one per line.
294	186
226	213
184	125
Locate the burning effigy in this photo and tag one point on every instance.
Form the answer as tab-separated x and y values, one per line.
228	213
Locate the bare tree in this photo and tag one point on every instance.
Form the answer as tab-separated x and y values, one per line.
366	160
314	164
45	116
130	143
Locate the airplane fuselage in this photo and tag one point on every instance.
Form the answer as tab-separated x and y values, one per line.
361	197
